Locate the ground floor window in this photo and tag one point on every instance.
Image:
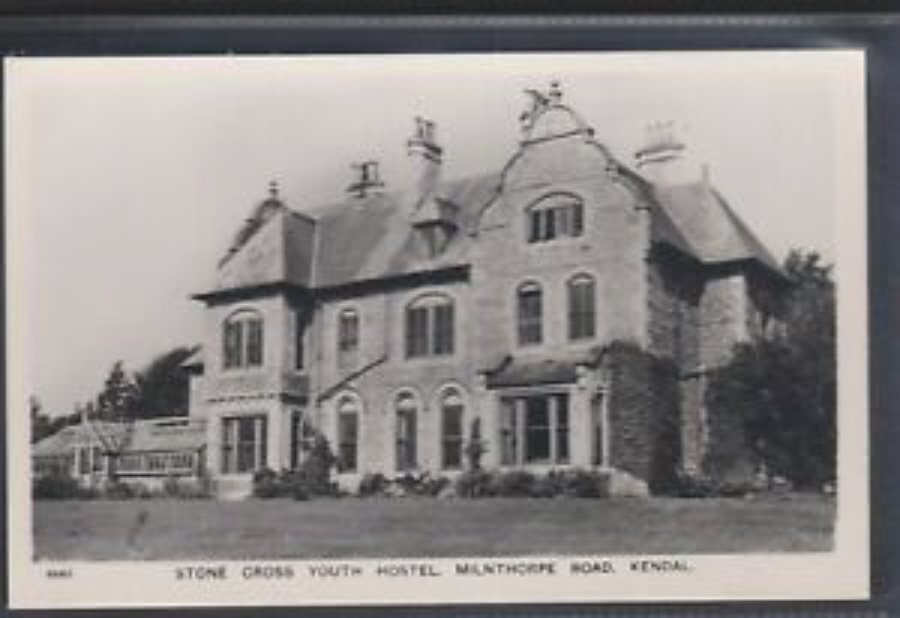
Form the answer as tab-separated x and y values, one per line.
407	411
348	436
244	443
451	431
534	429
303	437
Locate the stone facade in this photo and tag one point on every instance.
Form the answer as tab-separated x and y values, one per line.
615	383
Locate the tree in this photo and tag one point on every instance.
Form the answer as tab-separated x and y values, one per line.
162	387
41	424
116	402
783	388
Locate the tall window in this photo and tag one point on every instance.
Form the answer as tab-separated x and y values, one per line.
581	307
407	411
529	308
534	429
299	340
243	340
555	216
348	339
430	327
244	443
451	430
348	435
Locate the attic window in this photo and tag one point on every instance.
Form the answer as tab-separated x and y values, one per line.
554	216
242	340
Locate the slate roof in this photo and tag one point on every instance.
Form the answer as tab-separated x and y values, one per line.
527	372
169	434
371	238
712	230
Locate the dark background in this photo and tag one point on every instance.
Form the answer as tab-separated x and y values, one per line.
146	27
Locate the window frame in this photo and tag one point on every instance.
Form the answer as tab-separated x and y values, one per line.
235	447
581	321
406	443
529	328
452	399
429	323
518	433
348	339
243	340
555	216
348	407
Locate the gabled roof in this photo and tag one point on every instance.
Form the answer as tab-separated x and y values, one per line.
712	230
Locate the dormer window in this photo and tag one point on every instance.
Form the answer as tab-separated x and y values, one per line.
242	339
559	215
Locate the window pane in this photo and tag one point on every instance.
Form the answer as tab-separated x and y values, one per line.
581	309
562	428
537	429
232	345
451	430
348	431
443	329
416	331
406	439
254	342
577	218
299	341
530	310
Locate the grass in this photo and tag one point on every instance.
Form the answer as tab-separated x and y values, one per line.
377	527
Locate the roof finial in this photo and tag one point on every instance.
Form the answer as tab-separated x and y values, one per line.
273	189
555	92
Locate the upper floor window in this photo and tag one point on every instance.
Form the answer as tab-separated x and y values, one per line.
558	215
581	307
299	340
529	309
243	340
430	327
348	338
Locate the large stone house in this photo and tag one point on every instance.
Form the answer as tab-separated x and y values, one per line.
564	309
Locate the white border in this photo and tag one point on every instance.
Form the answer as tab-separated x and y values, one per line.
840	574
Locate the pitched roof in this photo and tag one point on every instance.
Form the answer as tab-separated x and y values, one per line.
712	230
164	434
372	237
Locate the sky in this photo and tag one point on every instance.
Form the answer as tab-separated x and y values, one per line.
128	177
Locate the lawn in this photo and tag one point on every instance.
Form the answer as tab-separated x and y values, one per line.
377	527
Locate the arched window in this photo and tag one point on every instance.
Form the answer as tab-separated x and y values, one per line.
581	307
529	309
348	434
242	340
430	326
557	215
452	410
348	338
406	409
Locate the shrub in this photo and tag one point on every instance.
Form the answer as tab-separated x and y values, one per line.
56	487
515	483
266	484
475	484
317	467
584	483
372	485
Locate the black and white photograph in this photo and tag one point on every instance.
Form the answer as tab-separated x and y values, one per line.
371	329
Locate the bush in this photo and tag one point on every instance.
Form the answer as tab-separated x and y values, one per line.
56	487
372	485
266	484
475	484
579	483
515	483
692	486
317	467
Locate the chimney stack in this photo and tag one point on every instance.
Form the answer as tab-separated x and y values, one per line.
661	157
367	180
427	154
